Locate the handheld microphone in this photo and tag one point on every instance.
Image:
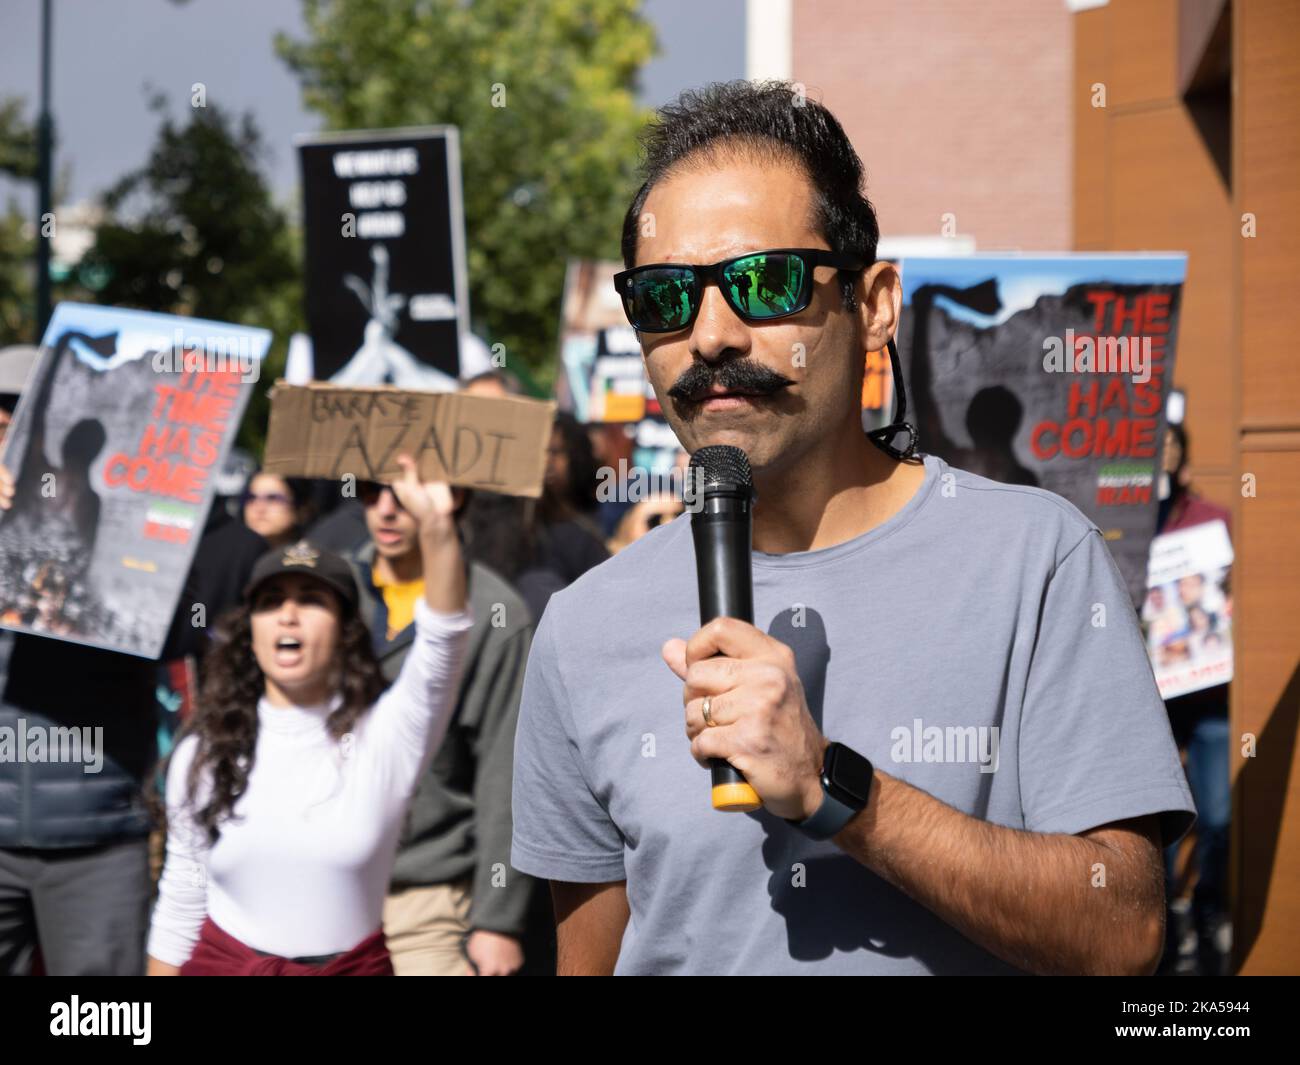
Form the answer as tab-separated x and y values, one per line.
722	525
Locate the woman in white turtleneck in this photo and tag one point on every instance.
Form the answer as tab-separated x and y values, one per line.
285	798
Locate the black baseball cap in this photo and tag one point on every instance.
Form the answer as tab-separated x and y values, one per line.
310	561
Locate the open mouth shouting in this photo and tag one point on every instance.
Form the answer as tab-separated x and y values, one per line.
288	651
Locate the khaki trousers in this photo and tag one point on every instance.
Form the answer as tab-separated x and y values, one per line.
425	927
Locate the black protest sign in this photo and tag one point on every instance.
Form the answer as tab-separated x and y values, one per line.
387	296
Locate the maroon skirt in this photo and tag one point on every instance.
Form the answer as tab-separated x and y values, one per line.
218	953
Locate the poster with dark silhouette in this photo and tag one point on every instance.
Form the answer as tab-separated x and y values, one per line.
387	291
1050	371
126	418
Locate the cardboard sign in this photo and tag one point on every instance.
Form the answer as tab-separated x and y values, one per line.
322	430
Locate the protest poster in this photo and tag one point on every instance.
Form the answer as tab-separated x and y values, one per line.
1050	371
1187	615
387	291
356	434
589	309
124	424
602	379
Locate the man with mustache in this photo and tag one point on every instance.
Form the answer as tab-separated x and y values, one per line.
893	599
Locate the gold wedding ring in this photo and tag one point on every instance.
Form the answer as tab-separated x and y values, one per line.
705	708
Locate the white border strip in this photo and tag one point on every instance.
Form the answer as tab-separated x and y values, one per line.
769	51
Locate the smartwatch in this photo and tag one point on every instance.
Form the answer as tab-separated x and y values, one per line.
846	786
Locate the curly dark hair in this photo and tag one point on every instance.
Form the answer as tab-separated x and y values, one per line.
772	121
225	719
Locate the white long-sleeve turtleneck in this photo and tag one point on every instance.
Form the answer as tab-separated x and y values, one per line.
303	868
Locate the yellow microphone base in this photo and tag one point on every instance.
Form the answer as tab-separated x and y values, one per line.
735	798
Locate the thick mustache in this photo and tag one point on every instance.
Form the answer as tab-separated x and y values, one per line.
743	375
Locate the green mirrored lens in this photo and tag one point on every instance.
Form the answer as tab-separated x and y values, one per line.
765	285
661	299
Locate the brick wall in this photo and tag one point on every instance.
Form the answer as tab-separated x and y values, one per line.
954	106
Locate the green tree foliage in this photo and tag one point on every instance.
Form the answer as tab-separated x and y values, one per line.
17	141
17	292
17	275
195	231
543	95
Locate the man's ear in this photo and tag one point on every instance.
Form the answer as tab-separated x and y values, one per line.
880	302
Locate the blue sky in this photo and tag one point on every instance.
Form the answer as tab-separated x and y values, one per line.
107	51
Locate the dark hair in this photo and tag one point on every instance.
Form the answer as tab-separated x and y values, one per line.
225	720
770	121
1180	434
508	381
300	490
501	532
579	493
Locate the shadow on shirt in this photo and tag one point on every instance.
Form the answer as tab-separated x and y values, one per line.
849	908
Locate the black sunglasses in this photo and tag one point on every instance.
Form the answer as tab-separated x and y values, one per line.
759	286
370	491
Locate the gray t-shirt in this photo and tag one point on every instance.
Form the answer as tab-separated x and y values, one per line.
980	645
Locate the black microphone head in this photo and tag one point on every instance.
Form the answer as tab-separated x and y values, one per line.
721	467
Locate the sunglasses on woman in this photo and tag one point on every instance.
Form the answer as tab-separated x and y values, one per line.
759	286
273	498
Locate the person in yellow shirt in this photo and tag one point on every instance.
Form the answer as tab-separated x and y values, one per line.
455	906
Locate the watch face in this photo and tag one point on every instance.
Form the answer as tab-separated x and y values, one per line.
847	775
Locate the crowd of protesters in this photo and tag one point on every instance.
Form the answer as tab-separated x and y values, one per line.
83	885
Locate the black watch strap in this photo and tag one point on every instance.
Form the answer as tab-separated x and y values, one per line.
846	787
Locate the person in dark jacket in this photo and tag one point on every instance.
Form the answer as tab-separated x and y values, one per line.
74	863
74	834
343	529
456	906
